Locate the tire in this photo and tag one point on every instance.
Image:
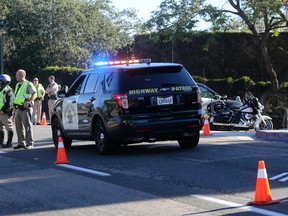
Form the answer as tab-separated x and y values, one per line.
102	141
268	126
223	128
56	129
189	142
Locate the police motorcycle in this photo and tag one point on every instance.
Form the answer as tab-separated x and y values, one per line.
244	117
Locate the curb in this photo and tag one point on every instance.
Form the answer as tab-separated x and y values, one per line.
274	135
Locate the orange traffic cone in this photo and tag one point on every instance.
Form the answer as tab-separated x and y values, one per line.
206	128
61	153
263	193
43	120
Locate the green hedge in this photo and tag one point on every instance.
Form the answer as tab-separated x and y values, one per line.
63	75
238	87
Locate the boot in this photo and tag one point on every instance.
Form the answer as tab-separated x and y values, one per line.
2	139
9	139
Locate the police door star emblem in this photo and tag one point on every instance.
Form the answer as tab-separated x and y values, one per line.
164	89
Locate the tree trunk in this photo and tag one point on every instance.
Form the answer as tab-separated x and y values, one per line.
269	70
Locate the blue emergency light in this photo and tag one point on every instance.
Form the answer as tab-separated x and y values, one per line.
121	62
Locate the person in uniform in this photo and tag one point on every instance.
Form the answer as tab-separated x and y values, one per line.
37	107
25	94
6	105
52	90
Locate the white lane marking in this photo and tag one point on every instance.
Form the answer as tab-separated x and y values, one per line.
284	179
228	138
94	172
244	138
280	176
240	206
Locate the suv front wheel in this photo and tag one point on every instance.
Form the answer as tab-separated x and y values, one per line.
102	141
56	130
189	142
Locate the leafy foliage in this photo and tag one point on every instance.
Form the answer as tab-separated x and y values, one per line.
243	84
200	79
261	18
40	33
175	17
285	85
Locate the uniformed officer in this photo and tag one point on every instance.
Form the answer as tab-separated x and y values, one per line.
6	104
37	107
52	90
25	94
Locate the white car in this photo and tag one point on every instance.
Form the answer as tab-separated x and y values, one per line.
209	95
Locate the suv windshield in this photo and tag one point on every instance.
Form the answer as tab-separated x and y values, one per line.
148	78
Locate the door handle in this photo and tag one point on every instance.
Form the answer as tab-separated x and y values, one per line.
73	101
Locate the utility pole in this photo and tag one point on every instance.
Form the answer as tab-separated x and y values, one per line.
1	55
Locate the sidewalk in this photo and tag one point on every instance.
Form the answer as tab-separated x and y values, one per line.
273	135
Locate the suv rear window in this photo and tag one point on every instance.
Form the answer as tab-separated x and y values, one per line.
149	77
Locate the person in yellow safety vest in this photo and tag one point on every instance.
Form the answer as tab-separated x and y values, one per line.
6	105
37	107
25	94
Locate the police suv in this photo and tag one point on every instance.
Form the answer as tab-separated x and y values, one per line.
125	102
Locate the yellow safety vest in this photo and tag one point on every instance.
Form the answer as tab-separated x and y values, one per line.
39	90
3	95
21	93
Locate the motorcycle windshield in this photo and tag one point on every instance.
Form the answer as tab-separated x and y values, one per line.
249	96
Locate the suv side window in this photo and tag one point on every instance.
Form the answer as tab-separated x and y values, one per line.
111	80
77	86
90	86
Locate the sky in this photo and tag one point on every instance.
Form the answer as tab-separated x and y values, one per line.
145	7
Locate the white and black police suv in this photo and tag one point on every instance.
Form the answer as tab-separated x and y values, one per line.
125	102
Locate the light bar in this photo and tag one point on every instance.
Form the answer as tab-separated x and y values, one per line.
122	62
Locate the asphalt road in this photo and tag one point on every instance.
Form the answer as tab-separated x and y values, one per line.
216	178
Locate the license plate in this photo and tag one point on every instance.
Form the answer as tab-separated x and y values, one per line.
164	100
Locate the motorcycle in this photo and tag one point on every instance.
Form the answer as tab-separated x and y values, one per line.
247	116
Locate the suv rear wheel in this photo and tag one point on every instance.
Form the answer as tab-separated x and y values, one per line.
102	141
189	142
55	132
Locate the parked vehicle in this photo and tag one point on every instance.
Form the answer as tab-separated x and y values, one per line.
247	116
209	96
125	102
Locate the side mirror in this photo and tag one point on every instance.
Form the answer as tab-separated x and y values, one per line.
62	93
65	88
217	97
224	97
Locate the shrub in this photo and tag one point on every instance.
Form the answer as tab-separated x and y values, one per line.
242	85
222	86
200	79
63	75
260	87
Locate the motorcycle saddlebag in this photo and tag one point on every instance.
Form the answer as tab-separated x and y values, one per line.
224	116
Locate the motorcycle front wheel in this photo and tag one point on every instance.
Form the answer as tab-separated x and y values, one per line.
268	126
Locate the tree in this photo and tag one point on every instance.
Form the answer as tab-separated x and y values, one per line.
128	25
174	18
262	19
41	33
